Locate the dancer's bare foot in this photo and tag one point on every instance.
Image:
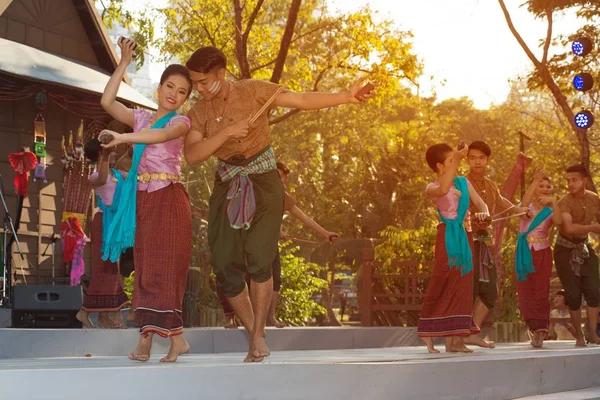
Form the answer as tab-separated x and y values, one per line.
579	338
178	347
478	341
142	351
117	318
429	343
580	342
84	318
105	322
537	340
272	321
594	339
457	346
258	349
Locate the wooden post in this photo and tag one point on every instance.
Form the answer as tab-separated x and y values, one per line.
366	287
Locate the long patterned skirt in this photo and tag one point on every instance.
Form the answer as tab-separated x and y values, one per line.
162	251
534	292
105	293
448	305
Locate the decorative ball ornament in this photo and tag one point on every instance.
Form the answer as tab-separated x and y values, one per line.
584	119
41	101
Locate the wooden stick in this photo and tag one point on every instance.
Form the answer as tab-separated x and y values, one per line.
265	106
510	216
502	212
301	240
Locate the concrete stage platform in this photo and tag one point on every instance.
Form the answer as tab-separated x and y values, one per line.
508	372
40	343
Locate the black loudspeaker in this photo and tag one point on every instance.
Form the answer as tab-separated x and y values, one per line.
44	306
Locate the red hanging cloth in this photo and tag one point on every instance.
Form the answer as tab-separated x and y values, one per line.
70	232
22	163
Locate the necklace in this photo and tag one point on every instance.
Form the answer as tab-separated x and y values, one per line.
219	118
479	186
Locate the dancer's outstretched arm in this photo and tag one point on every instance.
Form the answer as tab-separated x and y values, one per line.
109	101
318	100
152	136
310	223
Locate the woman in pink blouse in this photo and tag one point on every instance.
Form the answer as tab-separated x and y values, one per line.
533	285
105	294
162	223
447	309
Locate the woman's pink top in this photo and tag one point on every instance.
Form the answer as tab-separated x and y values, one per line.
106	191
448	204
539	238
160	157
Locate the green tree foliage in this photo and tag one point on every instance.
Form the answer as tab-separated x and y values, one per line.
300	283
360	170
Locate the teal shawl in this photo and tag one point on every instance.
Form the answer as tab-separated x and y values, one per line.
108	212
457	242
524	261
121	233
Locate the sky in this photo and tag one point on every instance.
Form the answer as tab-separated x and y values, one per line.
464	44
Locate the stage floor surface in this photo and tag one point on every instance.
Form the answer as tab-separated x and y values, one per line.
508	372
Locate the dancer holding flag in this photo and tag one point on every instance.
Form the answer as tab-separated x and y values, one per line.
485	283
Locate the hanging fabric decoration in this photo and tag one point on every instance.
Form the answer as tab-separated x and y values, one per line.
22	163
73	240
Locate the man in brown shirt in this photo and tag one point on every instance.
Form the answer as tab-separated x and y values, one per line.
485	285
576	261
246	205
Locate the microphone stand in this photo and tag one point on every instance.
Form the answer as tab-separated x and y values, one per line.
8	225
53	239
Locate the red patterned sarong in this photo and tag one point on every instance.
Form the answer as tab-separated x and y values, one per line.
535	291
162	251
105	293
448	304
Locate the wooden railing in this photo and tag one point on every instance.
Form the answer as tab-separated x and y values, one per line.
394	298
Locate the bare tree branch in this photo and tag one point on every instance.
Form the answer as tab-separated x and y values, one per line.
199	18
259	67
241	47
252	18
286	40
317	29
532	116
548	33
294	40
554	89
